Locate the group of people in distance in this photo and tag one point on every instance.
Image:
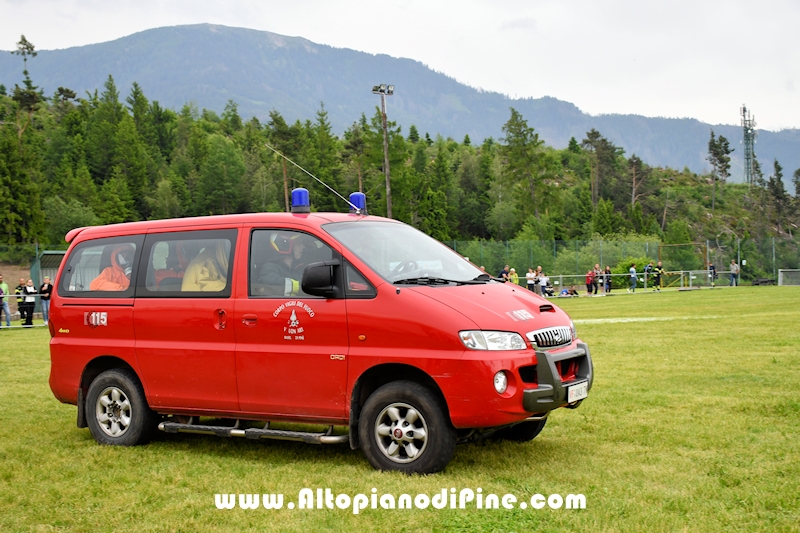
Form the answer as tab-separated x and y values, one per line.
26	294
654	273
597	280
734	273
535	280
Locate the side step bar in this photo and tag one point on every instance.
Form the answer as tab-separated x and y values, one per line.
255	433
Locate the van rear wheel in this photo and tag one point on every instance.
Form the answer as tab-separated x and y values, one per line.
116	409
403	427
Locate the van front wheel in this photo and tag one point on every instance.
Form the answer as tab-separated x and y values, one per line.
403	427
116	409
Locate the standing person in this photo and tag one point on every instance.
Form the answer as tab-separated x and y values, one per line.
607	279
658	271
712	273
648	269
45	290
503	273
734	273
543	281
4	292
589	281
632	272
513	277
18	291
598	275
29	297
537	275
529	279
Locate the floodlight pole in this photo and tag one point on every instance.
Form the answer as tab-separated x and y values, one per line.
385	90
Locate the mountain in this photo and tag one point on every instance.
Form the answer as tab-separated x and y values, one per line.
260	71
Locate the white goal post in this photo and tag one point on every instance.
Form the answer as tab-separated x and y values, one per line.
789	276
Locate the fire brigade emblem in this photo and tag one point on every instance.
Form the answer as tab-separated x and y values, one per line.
293	329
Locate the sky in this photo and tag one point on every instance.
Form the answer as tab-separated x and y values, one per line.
698	59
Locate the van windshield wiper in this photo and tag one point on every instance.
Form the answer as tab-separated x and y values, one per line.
438	281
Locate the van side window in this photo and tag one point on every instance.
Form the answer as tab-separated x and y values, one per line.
188	264
102	268
278	259
356	285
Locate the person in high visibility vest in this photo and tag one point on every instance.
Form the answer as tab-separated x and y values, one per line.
658	271
18	290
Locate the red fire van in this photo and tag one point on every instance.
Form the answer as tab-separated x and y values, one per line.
317	318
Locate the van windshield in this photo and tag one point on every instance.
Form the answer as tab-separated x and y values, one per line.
403	255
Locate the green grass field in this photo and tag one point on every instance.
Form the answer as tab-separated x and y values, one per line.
693	424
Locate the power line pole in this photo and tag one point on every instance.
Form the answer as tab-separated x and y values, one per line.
385	90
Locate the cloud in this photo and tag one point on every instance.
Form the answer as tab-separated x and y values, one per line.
680	58
526	23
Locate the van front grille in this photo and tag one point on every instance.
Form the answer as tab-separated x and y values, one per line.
550	337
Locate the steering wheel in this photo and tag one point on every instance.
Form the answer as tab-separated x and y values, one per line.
404	267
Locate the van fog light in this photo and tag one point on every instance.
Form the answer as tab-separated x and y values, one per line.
500	382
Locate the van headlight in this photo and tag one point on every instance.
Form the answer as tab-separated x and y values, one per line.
491	340
572	328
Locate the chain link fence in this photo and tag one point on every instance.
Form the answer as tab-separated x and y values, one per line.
28	262
759	259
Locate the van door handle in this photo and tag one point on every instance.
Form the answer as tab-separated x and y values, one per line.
222	319
249	320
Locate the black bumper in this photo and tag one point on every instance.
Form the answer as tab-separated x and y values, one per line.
551	393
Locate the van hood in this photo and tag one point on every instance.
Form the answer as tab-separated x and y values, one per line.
498	306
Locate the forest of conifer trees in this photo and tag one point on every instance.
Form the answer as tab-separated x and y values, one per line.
68	160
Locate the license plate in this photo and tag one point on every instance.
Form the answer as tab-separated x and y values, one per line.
578	392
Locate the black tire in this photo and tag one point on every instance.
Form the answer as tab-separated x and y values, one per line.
403	427
116	409
522	432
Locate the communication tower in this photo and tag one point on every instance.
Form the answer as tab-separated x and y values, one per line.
749	127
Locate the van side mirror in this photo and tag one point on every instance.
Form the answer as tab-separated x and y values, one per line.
318	279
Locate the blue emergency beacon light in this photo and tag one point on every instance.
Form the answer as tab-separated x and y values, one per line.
300	201
358	201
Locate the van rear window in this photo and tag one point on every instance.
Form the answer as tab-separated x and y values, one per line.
102	268
187	264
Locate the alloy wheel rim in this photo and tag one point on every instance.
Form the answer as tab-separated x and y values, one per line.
401	432
113	412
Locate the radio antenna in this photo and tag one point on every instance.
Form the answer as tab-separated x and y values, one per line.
352	206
